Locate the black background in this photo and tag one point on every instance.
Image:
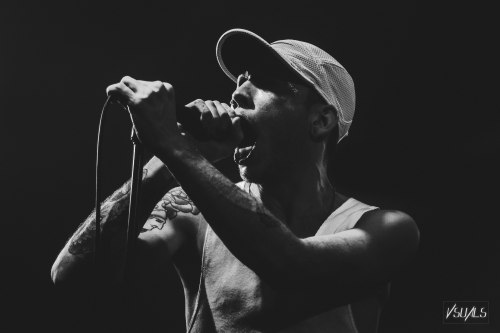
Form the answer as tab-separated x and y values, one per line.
425	138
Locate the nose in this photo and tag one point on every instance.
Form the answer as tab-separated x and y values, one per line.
243	94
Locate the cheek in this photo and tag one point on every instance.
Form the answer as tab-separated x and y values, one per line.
280	121
290	126
275	112
286	136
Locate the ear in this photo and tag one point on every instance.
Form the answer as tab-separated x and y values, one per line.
323	119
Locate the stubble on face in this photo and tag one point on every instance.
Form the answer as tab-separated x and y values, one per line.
282	122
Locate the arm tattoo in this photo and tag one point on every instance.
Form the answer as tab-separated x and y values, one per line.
113	209
173	202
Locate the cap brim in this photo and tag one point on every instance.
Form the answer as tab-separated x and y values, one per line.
240	50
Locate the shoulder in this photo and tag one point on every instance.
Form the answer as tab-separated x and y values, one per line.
391	229
389	220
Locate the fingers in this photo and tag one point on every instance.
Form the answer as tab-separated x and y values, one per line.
222	110
237	131
216	118
123	91
130	82
221	119
213	109
201	107
208	114
167	87
211	120
229	110
132	92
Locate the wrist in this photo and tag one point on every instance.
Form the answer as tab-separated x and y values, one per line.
212	150
156	175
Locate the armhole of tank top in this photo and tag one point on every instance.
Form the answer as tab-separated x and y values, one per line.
366	210
200	284
351	317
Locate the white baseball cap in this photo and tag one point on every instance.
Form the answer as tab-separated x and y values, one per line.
238	50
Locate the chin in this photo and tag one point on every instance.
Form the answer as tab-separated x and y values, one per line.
248	174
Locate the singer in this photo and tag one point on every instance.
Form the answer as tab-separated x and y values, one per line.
280	251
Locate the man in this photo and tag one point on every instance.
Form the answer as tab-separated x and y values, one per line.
280	251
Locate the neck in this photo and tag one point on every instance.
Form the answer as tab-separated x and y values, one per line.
302	197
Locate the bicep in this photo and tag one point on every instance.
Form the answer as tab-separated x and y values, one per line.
169	226
368	254
162	235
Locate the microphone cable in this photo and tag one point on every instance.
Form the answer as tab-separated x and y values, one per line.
135	184
98	186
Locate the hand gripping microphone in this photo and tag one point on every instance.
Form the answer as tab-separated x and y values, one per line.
190	120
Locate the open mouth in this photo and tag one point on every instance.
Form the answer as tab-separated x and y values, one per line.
246	147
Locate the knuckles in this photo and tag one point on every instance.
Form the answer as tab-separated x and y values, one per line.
167	86
156	86
110	89
218	123
141	89
216	118
126	78
199	104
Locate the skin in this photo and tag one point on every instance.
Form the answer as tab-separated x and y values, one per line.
290	198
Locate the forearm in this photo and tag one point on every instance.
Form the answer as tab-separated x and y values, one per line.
247	228
76	258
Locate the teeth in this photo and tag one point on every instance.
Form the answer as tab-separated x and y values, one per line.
242	154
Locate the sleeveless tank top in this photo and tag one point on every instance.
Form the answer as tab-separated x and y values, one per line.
232	298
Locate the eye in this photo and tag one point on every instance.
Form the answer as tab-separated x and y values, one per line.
274	85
